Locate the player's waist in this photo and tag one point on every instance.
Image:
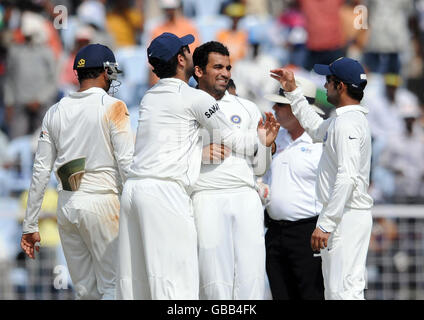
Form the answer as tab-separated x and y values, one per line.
243	188
288	223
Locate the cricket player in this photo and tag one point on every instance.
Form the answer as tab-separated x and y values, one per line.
86	139
227	208
344	224
157	235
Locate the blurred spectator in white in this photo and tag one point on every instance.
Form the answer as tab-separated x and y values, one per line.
325	36
68	79
234	38
125	23
389	34
403	156
30	83
201	8
251	74
385	103
93	13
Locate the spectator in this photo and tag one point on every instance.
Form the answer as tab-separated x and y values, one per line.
30	84
235	39
403	157
325	37
388	34
124	23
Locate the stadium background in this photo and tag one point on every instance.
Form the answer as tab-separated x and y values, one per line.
386	36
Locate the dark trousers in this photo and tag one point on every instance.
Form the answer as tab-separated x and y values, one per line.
293	272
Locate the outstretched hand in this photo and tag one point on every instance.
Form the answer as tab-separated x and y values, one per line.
285	77
29	241
268	130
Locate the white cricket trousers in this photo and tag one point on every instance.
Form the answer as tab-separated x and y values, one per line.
157	242
344	259
88	226
231	244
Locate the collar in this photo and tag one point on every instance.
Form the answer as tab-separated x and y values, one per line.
354	107
227	96
87	92
171	81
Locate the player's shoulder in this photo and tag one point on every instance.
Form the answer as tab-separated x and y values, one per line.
245	102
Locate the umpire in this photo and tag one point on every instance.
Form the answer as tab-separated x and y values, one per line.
294	272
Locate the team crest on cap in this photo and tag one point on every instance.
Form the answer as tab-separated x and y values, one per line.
81	63
235	119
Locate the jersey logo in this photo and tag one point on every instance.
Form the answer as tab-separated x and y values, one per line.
212	110
235	119
81	63
351	138
42	134
306	150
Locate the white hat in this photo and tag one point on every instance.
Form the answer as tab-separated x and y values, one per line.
33	24
92	12
169	4
308	88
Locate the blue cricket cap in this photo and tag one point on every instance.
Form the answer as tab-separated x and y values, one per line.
93	56
167	45
347	70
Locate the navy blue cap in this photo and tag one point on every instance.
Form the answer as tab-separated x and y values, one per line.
347	70
93	56
167	45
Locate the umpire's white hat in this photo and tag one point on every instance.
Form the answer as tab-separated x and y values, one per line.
308	88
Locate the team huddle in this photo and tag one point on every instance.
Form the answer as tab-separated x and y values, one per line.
179	213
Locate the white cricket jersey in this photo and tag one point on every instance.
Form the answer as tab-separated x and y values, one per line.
292	178
344	168
91	125
168	145
237	170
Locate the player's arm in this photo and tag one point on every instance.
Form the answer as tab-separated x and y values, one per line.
313	124
43	165
348	140
207	112
121	136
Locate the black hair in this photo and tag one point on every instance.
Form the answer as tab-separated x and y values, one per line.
231	84
201	53
356	93
89	73
166	69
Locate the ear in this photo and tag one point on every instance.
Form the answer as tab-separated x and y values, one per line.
198	71
181	60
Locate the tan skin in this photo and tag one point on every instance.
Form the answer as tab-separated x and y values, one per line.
337	95
29	240
214	80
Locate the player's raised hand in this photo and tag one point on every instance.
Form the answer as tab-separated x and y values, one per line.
215	153
268	129
285	77
29	241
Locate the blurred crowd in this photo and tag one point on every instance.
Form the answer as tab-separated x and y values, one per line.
39	40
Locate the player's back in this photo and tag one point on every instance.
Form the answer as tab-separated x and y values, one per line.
79	126
167	142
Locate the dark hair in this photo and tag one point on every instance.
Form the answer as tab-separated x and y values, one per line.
166	69
89	73
352	92
201	53
231	84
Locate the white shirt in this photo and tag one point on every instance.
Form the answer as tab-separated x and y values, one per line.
344	168
237	170
91	125
292	178
168	145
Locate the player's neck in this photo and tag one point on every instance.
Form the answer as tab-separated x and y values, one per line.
90	83
296	132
